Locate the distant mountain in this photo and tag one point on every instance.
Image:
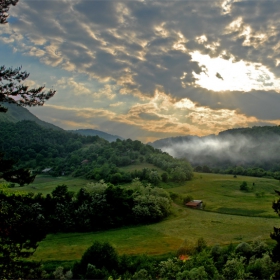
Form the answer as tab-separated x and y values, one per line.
101	134
17	113
248	147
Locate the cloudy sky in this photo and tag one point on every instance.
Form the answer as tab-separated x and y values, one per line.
149	69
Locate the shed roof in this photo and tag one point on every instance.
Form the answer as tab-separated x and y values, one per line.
194	203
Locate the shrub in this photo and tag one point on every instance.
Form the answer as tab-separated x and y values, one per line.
262	268
173	195
99	256
201	245
194	274
244	249
235	269
259	248
187	199
244	187
141	274
260	194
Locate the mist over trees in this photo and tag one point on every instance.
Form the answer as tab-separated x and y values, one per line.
247	147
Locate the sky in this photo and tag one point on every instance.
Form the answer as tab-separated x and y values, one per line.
149	69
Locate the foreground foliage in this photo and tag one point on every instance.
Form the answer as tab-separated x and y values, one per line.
95	207
21	228
244	261
276	231
26	219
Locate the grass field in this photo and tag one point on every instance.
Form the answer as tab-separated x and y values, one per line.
222	194
46	184
230	216
160	238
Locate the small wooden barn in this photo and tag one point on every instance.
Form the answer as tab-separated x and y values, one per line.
197	204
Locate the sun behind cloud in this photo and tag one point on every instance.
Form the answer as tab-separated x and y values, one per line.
228	75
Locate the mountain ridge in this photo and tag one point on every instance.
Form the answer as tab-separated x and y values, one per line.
18	113
93	132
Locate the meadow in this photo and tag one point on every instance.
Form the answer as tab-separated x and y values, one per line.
230	216
46	184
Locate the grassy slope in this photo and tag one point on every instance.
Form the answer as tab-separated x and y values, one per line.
220	192
160	238
46	184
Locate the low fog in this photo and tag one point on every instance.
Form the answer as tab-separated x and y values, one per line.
247	147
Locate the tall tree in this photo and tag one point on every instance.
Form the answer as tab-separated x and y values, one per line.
21	221
4	8
12	91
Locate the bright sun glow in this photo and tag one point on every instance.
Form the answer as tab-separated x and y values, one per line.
225	75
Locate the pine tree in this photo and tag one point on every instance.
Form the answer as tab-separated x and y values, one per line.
4	8
12	91
22	224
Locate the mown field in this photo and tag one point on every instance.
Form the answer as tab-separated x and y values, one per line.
230	215
222	194
46	184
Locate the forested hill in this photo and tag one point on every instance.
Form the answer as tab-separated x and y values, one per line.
94	132
247	147
17	113
66	153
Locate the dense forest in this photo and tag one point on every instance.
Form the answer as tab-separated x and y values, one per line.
66	153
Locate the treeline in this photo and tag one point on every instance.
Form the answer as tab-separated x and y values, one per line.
239	170
66	153
96	207
244	261
192	261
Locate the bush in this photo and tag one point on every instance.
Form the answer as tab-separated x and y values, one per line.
141	274
235	269
201	245
244	249
244	187
194	274
187	199
100	256
164	177
262	268
173	195
260	194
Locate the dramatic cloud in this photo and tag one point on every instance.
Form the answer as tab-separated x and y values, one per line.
157	68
